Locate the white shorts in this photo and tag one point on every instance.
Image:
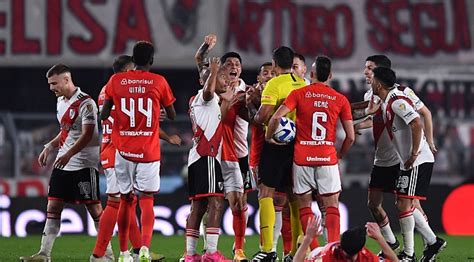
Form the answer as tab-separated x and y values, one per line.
325	179
233	181
144	177
112	184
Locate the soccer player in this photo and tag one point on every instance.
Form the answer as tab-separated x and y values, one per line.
75	176
350	248
138	95
406	133
108	219
205	179
275	161
299	67
386	167
318	108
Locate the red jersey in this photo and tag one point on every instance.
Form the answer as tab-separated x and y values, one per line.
332	252
318	108
138	96
256	144
229	152
107	149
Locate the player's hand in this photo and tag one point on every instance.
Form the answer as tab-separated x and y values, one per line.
215	64
229	94
373	106
62	161
211	40
175	140
433	148
163	114
43	157
409	163
274	142
314	227
373	230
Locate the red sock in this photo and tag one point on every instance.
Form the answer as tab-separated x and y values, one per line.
135	234
305	214
239	225
333	224
148	219
123	221
106	228
286	233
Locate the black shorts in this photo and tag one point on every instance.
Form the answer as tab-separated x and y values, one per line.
275	167
77	187
384	178
205	178
414	183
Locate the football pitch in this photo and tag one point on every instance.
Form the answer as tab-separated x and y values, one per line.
79	247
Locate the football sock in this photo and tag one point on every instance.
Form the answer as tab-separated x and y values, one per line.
203	230
387	231
106	228
267	222
423	227
148	219
333	224
296	229
134	231
50	232
286	234
238	223
407	224
277	227
192	237
212	235
123	221
305	214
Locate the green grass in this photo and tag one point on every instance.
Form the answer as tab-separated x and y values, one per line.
79	247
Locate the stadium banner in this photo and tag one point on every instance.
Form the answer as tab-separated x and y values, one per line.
93	33
22	216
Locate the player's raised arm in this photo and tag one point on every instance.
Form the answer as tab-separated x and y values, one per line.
210	41
312	231
373	231
210	85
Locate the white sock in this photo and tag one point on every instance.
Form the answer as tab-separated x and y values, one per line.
388	233
277	229
407	224
212	236
203	228
192	237
50	232
424	228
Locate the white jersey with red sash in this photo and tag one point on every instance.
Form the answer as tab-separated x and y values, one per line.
398	112
72	113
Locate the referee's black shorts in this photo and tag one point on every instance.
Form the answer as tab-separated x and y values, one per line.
275	167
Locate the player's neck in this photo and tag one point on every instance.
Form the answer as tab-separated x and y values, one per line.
143	68
71	91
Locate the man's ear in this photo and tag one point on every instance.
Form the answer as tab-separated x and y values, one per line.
151	61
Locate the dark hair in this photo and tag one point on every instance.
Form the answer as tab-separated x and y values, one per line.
58	69
120	63
265	64
385	75
283	57
300	57
353	240
143	52
323	68
230	54
380	60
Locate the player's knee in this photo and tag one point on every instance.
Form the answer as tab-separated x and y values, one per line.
55	207
129	197
216	204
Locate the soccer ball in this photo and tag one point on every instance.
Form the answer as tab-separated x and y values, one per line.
285	131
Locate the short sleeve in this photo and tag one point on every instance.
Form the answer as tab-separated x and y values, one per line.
346	113
167	97
291	100
270	94
88	112
404	110
414	98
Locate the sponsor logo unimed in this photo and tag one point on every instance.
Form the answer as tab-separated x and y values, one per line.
317	158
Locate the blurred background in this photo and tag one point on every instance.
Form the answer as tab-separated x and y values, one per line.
430	43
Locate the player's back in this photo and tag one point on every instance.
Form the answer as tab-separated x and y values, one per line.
318	108
138	96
